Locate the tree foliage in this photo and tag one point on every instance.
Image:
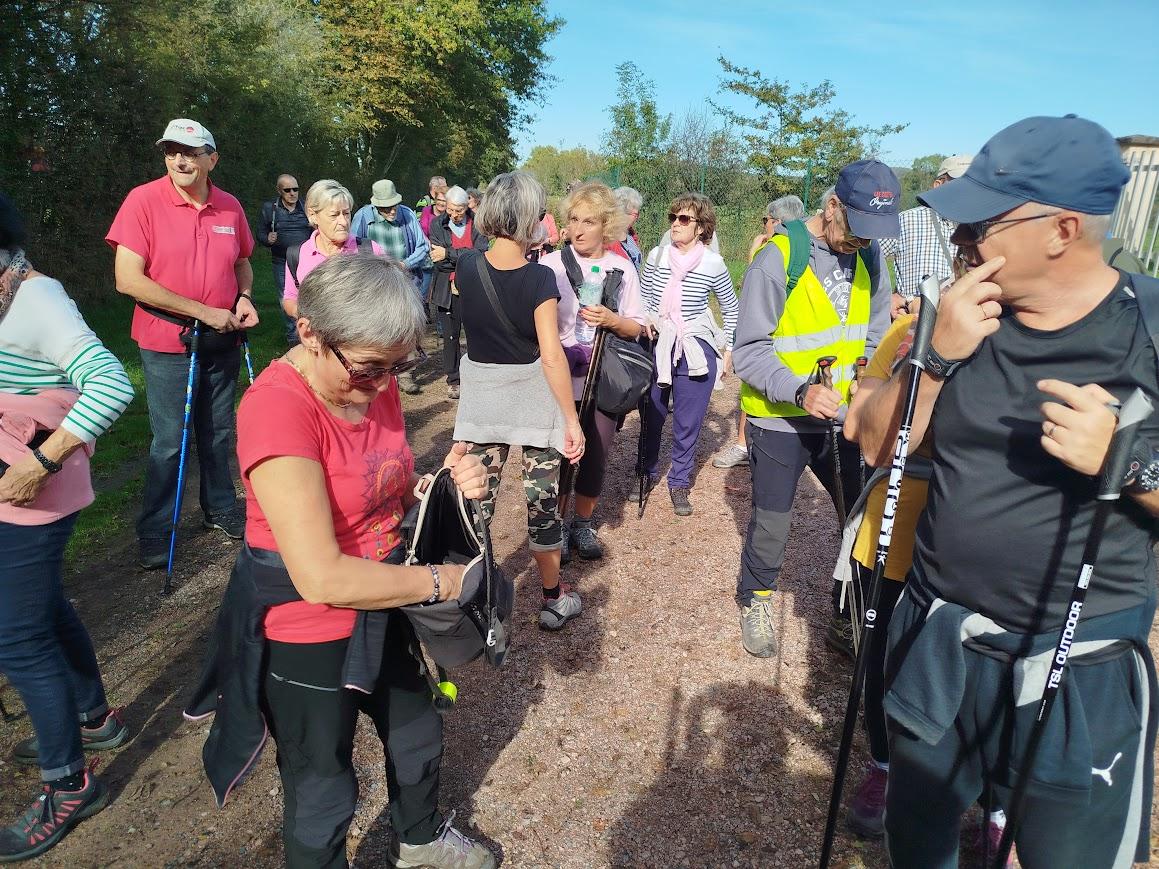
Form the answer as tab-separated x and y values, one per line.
555	168
919	178
638	133
792	131
319	88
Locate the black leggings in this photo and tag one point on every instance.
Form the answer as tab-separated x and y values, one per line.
312	719
598	434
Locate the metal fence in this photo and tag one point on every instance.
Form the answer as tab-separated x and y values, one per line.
1136	218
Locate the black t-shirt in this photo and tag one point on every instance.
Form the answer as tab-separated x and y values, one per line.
1005	524
520	292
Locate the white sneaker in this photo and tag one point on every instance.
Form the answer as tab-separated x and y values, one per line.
557	613
731	457
450	850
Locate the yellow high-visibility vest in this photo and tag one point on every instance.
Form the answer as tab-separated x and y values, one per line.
808	329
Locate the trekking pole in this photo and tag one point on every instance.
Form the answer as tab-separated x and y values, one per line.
245	349
825	378
1134	411
862	361
641	448
587	407
921	343
167	589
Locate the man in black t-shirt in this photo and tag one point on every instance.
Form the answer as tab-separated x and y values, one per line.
1028	350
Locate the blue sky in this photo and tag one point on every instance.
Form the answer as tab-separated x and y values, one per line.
955	72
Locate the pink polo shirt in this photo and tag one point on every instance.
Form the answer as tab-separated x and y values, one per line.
310	258
189	251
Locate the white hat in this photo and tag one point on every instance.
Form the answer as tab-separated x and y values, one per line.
186	132
955	166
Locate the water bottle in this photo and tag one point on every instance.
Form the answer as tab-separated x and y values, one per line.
591	292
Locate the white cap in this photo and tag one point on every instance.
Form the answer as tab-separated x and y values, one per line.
183	131
955	166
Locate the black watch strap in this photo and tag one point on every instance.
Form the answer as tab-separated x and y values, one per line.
49	465
938	366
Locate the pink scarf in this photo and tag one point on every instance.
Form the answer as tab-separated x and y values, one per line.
680	264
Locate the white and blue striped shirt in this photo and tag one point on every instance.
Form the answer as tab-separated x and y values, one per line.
710	276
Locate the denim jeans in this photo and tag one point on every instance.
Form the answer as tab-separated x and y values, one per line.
45	650
211	424
279	267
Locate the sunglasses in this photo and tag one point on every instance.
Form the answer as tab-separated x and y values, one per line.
289	189
682	219
369	378
972	234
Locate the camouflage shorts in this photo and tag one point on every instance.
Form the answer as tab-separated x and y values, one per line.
540	487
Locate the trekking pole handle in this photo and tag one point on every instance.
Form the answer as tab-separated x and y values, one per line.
1131	415
825	371
927	314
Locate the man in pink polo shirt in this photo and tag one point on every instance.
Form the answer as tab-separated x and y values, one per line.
182	253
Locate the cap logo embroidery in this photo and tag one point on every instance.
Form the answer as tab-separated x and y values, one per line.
189	129
881	199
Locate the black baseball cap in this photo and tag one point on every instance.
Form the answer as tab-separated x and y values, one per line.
870	193
1067	162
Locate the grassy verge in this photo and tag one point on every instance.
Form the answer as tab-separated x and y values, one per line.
118	464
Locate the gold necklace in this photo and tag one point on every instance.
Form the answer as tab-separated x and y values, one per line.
331	401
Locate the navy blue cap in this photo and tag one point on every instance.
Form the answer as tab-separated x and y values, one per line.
1066	162
870	193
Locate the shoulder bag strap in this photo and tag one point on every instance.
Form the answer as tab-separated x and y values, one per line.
293	255
521	340
799	251
1146	292
571	267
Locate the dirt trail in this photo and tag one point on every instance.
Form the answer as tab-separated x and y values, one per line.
642	736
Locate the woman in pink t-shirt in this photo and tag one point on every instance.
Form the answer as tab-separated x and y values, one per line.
328	208
328	476
594	221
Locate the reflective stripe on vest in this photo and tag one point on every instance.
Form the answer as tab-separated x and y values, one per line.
809	328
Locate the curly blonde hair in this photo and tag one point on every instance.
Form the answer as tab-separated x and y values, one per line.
599	198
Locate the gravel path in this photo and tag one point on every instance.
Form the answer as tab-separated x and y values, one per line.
641	736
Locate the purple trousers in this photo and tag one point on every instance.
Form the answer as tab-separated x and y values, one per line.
689	397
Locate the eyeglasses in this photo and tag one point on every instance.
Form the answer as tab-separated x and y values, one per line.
543	214
289	189
369	378
971	234
385	210
682	219
172	152
850	238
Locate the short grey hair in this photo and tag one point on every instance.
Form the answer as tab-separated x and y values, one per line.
456	195
362	300
1097	226
323	192
511	208
786	208
629	198
832	191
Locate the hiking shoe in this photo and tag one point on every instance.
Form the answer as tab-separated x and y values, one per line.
50	818
408	384
450	850
839	636
866	813
680	505
756	627
731	457
453	391
232	524
583	538
111	734
634	489
154	552
559	611
991	830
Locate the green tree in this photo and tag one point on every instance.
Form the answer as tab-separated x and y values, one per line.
920	178
555	168
639	133
795	130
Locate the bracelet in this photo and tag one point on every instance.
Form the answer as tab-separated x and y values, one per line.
49	465
434	598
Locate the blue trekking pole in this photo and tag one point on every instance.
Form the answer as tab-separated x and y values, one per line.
168	587
245	349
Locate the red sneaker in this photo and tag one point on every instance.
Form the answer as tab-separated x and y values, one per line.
866	813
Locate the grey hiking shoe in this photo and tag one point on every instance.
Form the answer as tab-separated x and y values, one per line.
232	524
558	612
680	503
634	489
583	538
839	636
565	546
450	850
154	552
756	628
731	457
111	734
453	391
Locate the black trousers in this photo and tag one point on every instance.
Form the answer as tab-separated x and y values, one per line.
875	667
312	719
452	323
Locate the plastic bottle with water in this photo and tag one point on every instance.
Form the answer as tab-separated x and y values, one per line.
591	292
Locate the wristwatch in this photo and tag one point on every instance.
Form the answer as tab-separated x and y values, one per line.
938	366
48	464
1142	470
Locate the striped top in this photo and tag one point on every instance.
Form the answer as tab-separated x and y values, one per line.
46	344
711	275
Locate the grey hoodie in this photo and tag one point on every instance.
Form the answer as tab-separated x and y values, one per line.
762	301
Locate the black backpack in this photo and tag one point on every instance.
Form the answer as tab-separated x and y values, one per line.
627	368
294	255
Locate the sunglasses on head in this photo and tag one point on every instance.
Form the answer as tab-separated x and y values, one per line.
369	378
682	219
289	189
